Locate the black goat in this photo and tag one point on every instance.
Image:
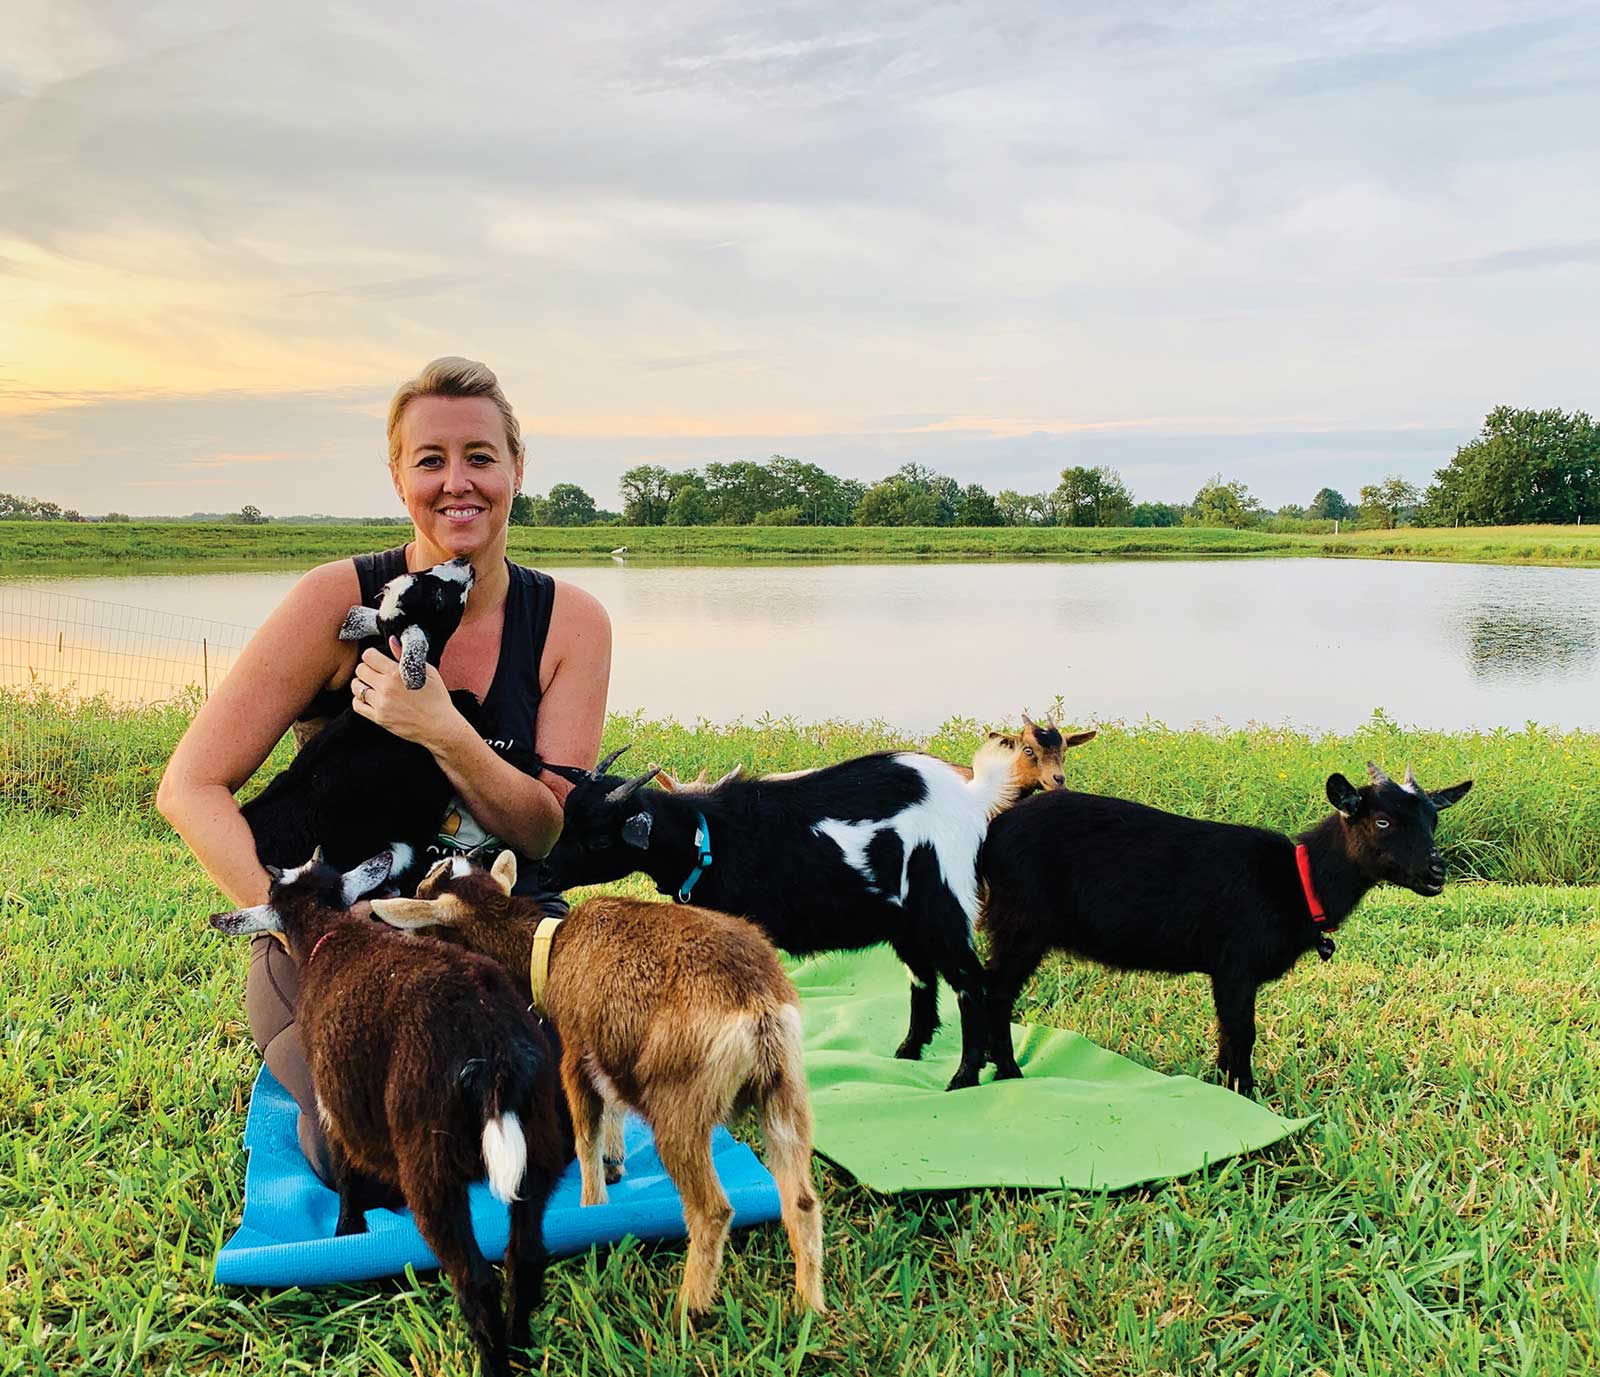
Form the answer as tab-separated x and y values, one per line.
355	788
428	1071
1138	889
879	849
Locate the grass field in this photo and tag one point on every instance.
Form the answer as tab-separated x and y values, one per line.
60	546
1442	1215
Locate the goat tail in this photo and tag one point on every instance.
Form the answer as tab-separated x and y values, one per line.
786	1127
505	1147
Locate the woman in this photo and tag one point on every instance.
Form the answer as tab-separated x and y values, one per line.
536	652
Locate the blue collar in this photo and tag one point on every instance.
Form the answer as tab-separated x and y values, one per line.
702	845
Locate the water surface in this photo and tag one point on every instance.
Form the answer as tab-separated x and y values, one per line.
1313	643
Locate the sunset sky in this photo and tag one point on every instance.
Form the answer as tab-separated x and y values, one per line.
1301	244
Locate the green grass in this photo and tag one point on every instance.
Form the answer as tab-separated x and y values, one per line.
71	546
1439	1217
1533	815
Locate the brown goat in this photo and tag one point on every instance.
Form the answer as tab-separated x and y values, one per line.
682	1014
428	1070
1037	748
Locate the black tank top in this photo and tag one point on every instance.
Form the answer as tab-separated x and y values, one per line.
510	708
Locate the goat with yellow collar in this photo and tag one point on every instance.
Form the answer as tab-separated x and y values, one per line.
680	1013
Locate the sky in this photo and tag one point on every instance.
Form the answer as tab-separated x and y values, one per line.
1296	244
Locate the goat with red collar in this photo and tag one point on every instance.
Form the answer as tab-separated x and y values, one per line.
1145	890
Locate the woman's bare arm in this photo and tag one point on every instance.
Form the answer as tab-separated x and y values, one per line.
294	654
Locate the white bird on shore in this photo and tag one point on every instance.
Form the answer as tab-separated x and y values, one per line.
620	550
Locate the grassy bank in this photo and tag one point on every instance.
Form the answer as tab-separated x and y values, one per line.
1532	817
1440	1216
60	546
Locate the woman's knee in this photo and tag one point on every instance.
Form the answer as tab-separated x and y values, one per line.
270	990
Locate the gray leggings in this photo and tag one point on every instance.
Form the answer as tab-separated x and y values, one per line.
270	992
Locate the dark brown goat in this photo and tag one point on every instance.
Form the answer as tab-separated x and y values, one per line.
681	1013
428	1071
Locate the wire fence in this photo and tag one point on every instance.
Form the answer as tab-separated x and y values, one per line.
93	695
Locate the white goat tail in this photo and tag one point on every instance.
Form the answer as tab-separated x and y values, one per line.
505	1156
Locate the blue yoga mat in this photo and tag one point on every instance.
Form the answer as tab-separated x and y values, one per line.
286	1236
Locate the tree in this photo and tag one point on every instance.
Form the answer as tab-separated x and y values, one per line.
645	494
569	505
250	516
526	510
1092	497
1328	505
1525	466
17	508
1223	504
896	501
1292	510
690	505
1157	514
977	507
1385	505
116	516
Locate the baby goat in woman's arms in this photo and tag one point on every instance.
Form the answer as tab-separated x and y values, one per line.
683	1016
1138	889
354	787
879	849
428	1071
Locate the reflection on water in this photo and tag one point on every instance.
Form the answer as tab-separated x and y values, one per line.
1523	644
1318	643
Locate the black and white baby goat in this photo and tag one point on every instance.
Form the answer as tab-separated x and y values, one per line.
883	848
355	787
429	1072
1138	889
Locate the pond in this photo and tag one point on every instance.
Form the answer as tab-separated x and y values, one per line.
1313	643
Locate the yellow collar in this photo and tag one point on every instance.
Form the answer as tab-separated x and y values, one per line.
539	962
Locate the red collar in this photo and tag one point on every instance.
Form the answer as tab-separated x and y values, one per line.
318	947
1302	858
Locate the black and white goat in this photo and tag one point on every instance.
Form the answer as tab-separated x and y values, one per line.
883	848
354	787
429	1072
1139	889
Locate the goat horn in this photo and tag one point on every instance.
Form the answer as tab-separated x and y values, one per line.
1410	784
611	759
316	856
1028	721
1377	775
623	792
728	778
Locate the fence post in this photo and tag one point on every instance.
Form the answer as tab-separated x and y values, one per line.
205	670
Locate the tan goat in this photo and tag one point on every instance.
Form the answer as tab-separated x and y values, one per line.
680	1013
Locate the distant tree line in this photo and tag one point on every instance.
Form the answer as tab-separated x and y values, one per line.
1524	467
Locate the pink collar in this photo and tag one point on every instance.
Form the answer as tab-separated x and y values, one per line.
318	947
1302	858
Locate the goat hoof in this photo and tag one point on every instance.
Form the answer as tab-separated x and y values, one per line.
347	1226
909	1051
613	1170
1008	1073
963	1079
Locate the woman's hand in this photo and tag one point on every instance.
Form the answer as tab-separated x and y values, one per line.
424	715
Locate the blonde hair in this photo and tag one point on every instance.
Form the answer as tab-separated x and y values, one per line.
453	377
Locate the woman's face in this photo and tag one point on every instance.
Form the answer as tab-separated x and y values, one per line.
455	473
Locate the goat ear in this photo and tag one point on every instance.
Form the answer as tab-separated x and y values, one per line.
1454	794
367	876
1344	795
273	872
504	870
360	624
636	831
413	657
411	914
1078	739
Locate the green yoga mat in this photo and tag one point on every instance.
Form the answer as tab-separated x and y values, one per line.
1080	1116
